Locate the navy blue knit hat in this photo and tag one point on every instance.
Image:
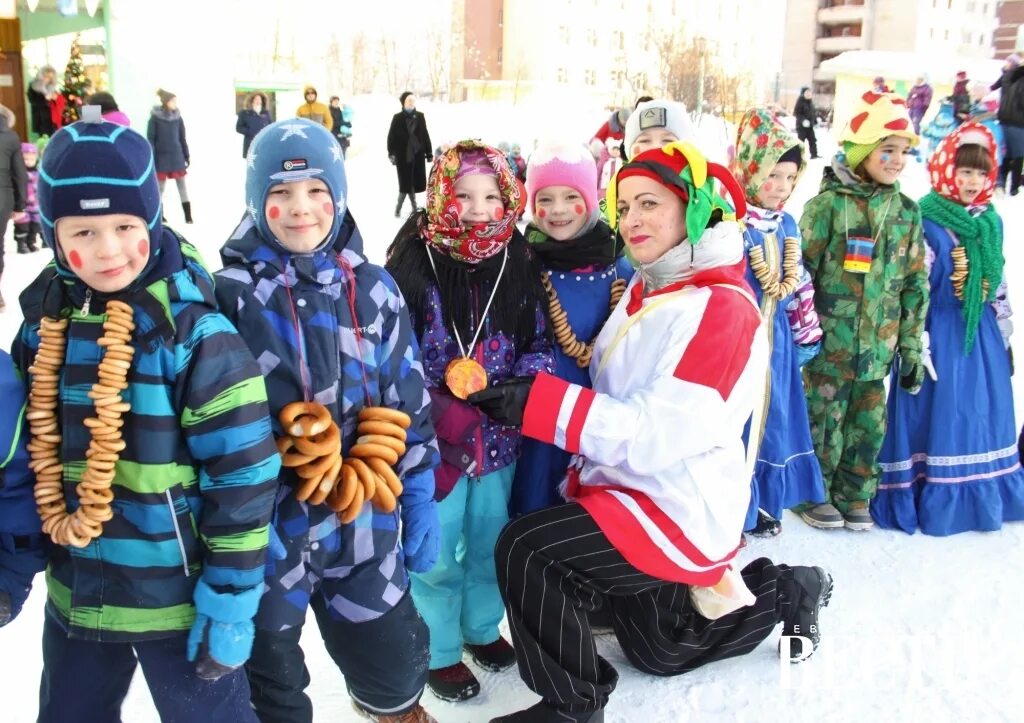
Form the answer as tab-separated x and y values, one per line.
95	169
294	150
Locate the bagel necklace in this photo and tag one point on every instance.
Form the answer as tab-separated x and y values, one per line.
85	524
564	335
464	376
769	277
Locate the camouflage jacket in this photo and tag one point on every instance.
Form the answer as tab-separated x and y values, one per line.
865	317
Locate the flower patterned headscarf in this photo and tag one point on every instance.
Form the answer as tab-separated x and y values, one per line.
444	232
761	141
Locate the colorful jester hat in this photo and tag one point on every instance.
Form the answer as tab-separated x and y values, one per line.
942	164
876	117
760	142
444	231
684	170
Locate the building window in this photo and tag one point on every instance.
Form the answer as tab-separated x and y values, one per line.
945	35
592	37
970	7
590	77
499	55
563	34
563	76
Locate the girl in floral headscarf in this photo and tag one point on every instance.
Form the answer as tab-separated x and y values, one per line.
478	307
769	162
949	461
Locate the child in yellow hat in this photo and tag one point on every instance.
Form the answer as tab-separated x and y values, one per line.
863	250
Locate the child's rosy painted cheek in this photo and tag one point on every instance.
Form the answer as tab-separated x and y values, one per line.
143	247
542	213
274	213
75	259
499	213
329	208
579	208
767	187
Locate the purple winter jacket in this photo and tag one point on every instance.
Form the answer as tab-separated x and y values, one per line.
469	442
919	98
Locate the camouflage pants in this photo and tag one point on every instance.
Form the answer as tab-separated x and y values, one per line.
848	427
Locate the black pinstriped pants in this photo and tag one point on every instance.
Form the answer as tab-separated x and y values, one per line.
555	568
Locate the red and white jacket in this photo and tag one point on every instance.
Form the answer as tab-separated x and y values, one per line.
662	466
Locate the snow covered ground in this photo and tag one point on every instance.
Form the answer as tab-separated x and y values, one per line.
919	628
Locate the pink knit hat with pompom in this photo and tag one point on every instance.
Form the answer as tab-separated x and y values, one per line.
562	165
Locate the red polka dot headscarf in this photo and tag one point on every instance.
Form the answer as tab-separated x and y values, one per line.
942	164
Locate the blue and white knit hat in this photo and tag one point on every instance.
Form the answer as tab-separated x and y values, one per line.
292	150
95	169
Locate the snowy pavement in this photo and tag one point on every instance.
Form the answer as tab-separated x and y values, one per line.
918	628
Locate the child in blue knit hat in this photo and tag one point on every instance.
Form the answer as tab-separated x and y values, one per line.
150	439
331	329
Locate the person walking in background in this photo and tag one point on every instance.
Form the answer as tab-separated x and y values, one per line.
252	119
166	133
13	181
879	85
314	111
805	118
961	98
918	100
409	150
1011	119
42	94
27	229
341	120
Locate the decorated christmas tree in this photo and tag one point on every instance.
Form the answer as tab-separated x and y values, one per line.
75	84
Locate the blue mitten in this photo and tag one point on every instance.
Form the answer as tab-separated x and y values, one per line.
221	637
806	352
421	534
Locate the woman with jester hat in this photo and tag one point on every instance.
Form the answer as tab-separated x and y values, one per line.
950	461
661	483
769	162
478	310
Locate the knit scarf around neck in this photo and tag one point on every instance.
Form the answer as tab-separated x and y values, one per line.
982	239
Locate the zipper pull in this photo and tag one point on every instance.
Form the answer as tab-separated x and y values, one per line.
88	300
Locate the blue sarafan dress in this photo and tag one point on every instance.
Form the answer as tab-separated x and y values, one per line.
584	294
786	473
950	460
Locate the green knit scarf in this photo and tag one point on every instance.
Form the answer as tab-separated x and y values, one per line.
982	239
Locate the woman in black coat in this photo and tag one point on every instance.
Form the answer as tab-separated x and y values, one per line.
409	149
166	133
252	119
805	120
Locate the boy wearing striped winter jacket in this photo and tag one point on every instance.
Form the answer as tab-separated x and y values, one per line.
156	477
326	325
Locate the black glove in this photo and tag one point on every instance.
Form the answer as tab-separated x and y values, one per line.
5	608
912	378
505	401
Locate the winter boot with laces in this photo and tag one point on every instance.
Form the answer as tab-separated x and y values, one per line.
493	657
416	715
545	712
808	591
454	684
